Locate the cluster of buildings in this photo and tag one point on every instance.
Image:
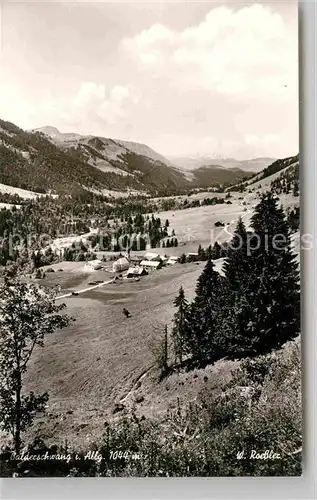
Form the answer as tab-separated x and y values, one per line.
139	265
135	265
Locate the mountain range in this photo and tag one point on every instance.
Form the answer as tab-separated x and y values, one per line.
254	165
45	160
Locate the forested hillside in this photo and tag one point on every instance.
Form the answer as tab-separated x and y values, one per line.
70	163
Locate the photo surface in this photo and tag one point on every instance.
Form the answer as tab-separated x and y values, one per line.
149	239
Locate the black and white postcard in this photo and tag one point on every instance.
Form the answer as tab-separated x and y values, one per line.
150	239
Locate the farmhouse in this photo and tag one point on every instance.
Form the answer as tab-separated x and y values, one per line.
152	256
136	271
174	257
151	264
135	259
121	265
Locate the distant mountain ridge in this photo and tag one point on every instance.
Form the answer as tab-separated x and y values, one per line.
47	161
72	139
108	155
253	165
282	175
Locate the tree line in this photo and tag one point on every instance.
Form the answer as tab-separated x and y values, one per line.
251	309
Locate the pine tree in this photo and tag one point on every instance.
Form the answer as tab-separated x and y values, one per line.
237	264
238	271
205	340
182	259
296	189
180	328
274	284
263	280
209	253
216	251
201	253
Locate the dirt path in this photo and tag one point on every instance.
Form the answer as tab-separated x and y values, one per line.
135	383
85	289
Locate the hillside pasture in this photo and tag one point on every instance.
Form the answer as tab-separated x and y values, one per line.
95	362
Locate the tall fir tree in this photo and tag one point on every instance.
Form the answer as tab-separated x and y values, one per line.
274	284
205	340
238	269
209	253
201	253
216	251
180	327
237	264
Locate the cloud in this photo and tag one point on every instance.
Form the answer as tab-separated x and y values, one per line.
89	93
93	106
265	140
186	79
230	52
94	101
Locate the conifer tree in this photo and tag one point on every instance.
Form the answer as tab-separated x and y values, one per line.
274	283
216	251
182	259
201	253
263	280
180	328
237	263
209	254
238	269
207	311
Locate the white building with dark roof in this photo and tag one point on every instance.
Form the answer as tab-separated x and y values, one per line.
121	265
151	265
152	256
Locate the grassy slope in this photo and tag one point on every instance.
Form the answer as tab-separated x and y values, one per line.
93	363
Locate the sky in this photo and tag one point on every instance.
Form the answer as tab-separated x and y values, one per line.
185	78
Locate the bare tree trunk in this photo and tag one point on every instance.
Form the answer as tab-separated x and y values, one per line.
17	434
165	355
